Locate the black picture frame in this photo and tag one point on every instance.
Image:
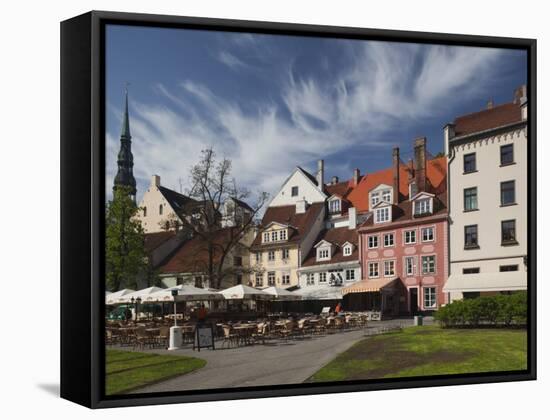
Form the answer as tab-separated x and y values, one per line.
83	198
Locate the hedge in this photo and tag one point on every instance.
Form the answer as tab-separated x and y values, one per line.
498	310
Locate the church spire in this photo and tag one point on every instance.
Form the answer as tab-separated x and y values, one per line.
125	160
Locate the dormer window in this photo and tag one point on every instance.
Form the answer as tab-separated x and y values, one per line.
282	235
374	198
382	215
266	237
274	236
386	196
423	206
323	254
335	206
347	250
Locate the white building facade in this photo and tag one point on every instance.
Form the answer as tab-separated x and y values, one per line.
487	184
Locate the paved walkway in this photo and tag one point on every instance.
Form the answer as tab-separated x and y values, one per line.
280	362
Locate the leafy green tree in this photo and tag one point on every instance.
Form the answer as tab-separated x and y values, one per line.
124	242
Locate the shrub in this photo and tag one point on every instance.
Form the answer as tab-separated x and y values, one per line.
487	310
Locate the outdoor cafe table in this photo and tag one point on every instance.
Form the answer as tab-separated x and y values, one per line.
244	332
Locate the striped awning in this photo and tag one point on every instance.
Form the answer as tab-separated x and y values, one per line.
366	286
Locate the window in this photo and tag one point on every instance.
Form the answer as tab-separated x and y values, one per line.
294	192
144	211
427	234
323	254
409	266
373	269
347	250
470	236
310	279
389	268
469	163
322	277
334	206
285	254
350	275
428	264
160	209
429	297
271	255
238	261
508	230
179	280
285	278
386	196
388	239
271	278
507	154
470	199
198	281
507	193
282	235
382	215
422	207
470	270
373	241
374	198
266	237
504	268
258	257
410	236
274	235
239	279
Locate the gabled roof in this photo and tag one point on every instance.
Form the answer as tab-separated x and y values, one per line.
322	242
308	175
422	194
179	202
156	239
242	204
286	215
497	116
340	189
338	237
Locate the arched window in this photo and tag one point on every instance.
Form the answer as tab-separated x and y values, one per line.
144	211
160	209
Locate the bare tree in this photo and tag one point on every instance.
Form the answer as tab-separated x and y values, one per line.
211	185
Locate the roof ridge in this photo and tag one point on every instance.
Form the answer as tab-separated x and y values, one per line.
484	110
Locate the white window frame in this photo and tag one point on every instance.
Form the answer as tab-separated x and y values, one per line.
285	278
323	277
269	254
271	274
283	252
386	195
335	206
385	211
323	254
433	296
409	241
387	235
406	266
428	206
374	198
370	272
373	237
350	274
422	230
347	251
274	236
434	264
266	237
310	279
282	235
393	268
259	280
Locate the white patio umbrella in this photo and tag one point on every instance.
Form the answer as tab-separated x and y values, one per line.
186	293
282	294
241	291
115	297
142	294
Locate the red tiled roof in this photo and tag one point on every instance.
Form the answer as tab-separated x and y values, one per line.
286	215
338	237
341	189
156	239
436	172
192	256
497	116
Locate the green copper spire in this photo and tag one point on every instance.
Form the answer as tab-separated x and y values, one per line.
125	132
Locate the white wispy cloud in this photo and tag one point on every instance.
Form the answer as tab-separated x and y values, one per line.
231	61
382	85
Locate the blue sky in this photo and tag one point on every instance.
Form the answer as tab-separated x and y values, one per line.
271	102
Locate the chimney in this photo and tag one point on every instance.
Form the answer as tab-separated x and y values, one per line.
420	163
356	176
155	181
321	174
448	135
395	166
490	104
334	180
352	215
301	206
520	95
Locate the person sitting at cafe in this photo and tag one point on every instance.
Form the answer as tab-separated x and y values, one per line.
338	308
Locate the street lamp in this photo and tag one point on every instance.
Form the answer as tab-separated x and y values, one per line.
138	302
133	300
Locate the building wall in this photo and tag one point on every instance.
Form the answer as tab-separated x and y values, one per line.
325	268
400	250
306	191
309	239
491	254
280	266
152	199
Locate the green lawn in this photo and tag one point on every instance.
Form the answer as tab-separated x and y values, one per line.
127	370
429	350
